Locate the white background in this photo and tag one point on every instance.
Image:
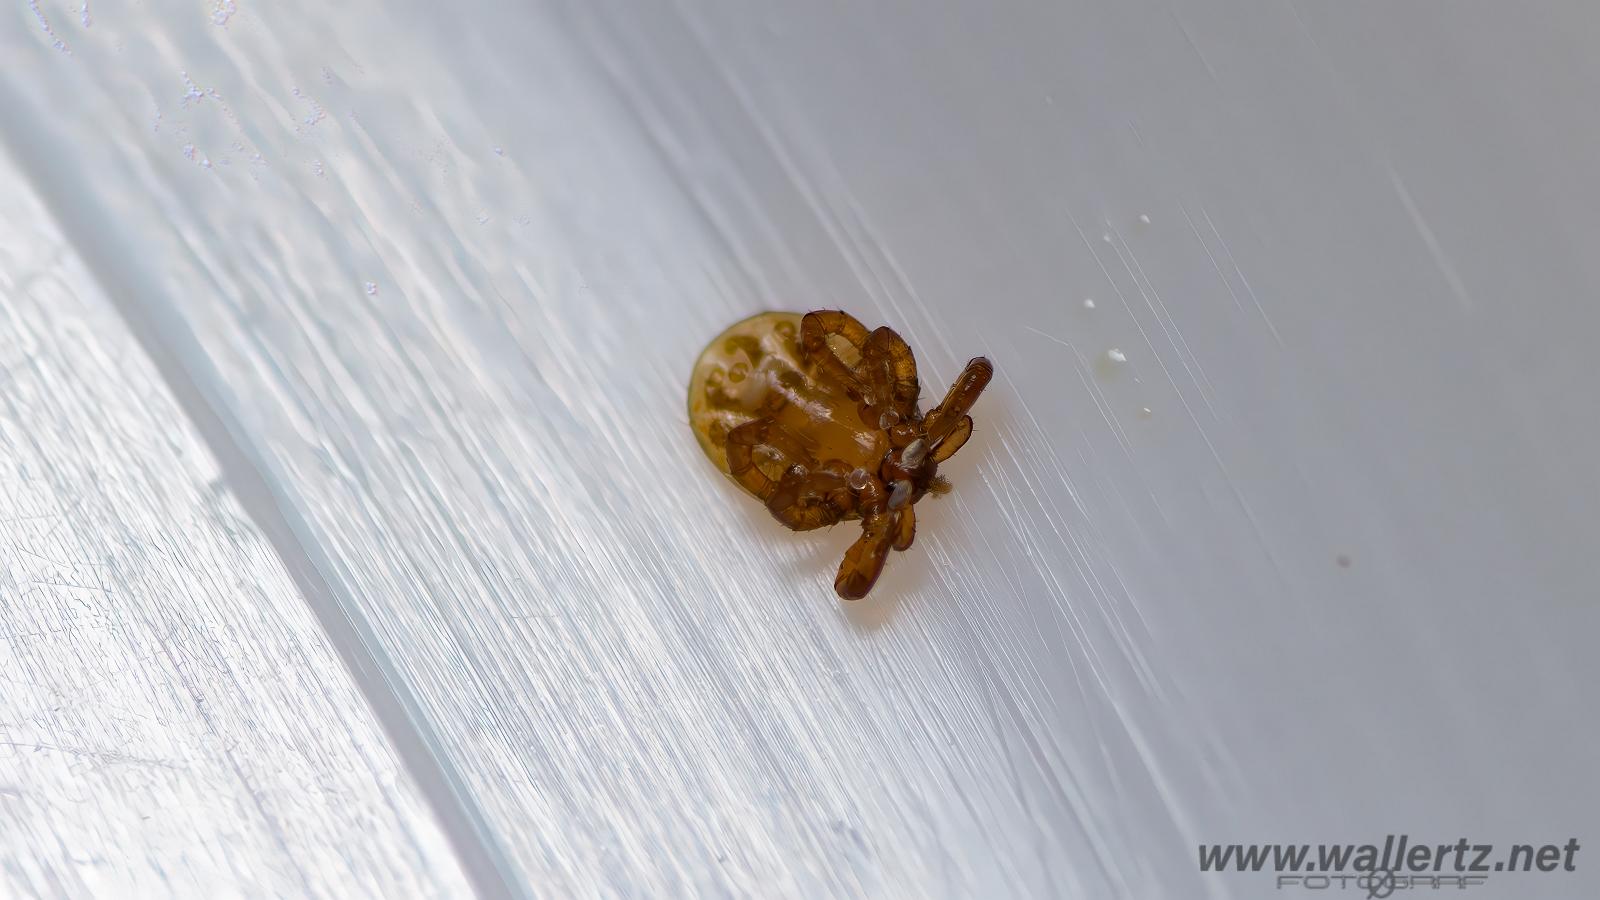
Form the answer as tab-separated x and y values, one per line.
353	542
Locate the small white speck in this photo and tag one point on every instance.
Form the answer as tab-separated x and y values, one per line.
372	288
1106	237
1088	303
1145	413
317	113
1116	356
1144	220
191	91
499	151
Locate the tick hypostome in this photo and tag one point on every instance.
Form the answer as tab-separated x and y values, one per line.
818	418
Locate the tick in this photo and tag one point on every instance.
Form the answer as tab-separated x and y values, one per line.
818	418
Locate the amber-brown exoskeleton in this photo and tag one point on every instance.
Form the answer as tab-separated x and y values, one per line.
818	418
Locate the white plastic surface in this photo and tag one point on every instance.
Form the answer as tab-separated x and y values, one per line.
172	720
1278	525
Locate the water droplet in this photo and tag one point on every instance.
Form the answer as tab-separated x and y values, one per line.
1116	356
857	479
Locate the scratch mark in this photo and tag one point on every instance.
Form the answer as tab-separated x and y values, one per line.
29	518
1158	308
60	563
1239	305
1189	39
1242	280
65	515
104	756
65	584
1451	277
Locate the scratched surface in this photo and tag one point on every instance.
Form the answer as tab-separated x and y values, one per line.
172	720
1278	523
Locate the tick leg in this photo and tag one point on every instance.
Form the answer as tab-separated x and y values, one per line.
815	328
905	528
890	369
953	441
762	432
946	419
811	500
863	562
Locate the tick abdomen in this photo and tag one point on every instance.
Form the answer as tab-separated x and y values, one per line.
754	369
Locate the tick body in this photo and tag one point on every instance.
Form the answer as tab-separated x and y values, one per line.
818	418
